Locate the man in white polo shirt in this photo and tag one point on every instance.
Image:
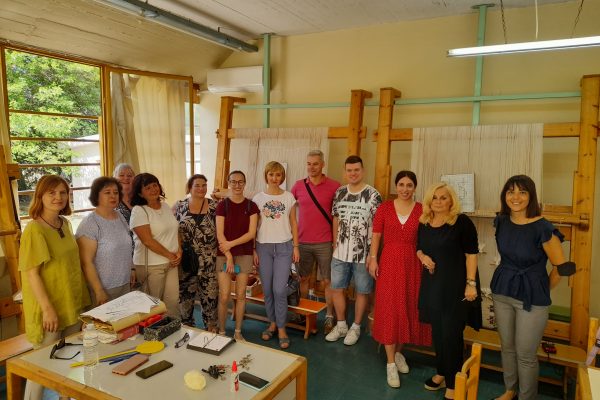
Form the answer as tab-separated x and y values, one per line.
314	196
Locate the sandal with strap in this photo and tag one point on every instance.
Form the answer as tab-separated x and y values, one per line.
284	343
267	334
238	335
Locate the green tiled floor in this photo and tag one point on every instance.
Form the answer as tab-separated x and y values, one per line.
336	371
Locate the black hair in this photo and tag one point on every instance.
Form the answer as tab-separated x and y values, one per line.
353	160
237	171
405	173
99	184
527	184
190	182
139	182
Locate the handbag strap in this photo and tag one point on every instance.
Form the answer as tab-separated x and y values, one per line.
146	255
314	199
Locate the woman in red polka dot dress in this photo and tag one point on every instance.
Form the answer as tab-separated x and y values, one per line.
398	276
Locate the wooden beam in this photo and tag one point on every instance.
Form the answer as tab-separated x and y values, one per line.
8	224
343	132
567	129
338	132
223	140
384	127
583	203
355	120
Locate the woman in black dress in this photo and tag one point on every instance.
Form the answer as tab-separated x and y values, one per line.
447	247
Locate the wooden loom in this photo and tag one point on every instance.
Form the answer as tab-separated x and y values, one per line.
576	219
354	132
10	231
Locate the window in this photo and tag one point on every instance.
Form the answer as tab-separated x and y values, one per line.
54	118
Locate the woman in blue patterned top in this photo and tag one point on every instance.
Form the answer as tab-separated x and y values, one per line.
105	244
521	284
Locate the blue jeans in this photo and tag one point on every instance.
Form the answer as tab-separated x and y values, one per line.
274	265
343	271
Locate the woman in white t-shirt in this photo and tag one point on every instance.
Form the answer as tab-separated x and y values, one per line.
157	252
276	249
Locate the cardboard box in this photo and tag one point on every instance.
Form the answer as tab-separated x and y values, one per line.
251	291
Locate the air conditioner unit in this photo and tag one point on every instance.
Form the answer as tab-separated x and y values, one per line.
241	79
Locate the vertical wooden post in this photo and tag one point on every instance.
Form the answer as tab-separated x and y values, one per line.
382	158
9	230
224	143
583	204
105	125
357	105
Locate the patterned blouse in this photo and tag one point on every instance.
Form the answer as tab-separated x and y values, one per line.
199	230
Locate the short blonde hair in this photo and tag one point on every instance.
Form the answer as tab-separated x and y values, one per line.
274	166
45	184
427	215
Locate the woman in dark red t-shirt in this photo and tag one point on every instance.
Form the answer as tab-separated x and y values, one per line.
237	218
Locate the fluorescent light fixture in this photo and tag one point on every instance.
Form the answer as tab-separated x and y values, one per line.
185	25
560	44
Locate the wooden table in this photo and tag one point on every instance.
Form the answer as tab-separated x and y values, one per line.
282	369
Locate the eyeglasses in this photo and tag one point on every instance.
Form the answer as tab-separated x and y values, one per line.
57	346
237	183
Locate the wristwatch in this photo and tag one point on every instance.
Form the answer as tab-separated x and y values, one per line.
471	282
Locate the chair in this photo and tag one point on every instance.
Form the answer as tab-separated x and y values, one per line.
467	380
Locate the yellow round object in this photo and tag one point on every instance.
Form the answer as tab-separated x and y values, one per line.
194	380
150	347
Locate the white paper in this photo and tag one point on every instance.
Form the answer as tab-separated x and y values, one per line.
210	341
464	186
124	306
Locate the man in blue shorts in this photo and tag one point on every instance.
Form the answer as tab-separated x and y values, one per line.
354	207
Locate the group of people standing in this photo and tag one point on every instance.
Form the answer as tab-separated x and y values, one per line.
422	258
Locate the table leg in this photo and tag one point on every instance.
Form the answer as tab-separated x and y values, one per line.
14	385
301	382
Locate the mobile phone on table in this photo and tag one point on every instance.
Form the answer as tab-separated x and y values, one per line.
153	369
252	381
236	268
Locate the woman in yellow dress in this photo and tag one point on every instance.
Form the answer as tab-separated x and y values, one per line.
54	289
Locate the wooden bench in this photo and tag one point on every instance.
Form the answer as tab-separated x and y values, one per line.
566	355
307	308
13	347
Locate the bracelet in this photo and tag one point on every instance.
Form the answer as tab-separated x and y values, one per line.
472	282
374	256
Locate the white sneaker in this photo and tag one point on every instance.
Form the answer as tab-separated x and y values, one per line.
392	376
401	363
336	333
352	336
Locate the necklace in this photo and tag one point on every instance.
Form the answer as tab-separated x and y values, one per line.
59	229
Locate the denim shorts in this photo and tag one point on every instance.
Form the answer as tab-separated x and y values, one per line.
342	273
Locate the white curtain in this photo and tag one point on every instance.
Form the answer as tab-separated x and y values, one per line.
149	127
493	153
286	145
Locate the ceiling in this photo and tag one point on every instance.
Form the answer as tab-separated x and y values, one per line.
297	17
99	31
